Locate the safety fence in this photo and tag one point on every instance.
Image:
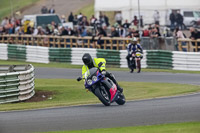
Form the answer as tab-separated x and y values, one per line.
158	59
16	83
114	43
188	45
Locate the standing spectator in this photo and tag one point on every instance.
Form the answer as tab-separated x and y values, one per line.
63	20
4	22
80	16
106	20
92	20
179	20
101	20
52	10
126	24
75	21
172	19
135	21
44	10
118	18
179	35
156	17
141	21
71	17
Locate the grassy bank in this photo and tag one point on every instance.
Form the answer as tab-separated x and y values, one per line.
188	127
7	6
70	92
68	65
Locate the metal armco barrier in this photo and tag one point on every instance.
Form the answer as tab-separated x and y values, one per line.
16	83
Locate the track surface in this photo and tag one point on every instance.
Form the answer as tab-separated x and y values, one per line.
123	76
144	112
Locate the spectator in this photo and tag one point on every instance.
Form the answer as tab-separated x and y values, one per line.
70	32
63	20
52	10
156	17
122	32
71	17
180	35
141	21
146	33
114	33
80	16
92	20
155	33
44	10
106	20
118	18
135	21
126	24
75	21
63	32
4	22
179	20
172	19
195	34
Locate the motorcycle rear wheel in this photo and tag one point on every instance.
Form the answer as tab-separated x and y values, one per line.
121	99
103	95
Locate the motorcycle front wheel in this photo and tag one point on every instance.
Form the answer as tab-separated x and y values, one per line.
103	95
121	99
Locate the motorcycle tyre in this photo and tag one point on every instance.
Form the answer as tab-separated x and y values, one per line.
101	97
121	100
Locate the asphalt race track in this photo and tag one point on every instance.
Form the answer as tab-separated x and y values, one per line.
143	112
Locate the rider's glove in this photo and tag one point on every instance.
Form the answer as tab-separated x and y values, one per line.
79	79
103	72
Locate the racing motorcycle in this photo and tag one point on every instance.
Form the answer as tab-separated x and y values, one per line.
134	61
102	87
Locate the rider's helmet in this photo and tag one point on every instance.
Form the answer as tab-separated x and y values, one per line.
87	59
134	40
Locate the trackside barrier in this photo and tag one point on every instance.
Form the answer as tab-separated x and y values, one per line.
112	56
37	54
116	58
159	59
16	83
112	43
3	52
123	61
77	54
62	55
186	61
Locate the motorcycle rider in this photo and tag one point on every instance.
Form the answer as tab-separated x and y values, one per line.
132	47
90	63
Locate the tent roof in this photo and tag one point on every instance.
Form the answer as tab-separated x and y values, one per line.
119	5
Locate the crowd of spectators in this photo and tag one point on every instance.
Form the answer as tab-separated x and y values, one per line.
99	27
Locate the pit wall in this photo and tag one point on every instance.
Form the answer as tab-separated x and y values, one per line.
157	59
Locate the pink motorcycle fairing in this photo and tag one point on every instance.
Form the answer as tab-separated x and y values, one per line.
113	91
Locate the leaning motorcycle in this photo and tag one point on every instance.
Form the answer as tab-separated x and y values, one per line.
134	62
102	87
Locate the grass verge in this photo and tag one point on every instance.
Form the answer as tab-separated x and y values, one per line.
68	65
70	92
188	127
7	5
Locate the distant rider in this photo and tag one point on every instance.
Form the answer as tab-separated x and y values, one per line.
132	47
90	63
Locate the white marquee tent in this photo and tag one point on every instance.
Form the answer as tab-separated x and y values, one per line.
129	8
